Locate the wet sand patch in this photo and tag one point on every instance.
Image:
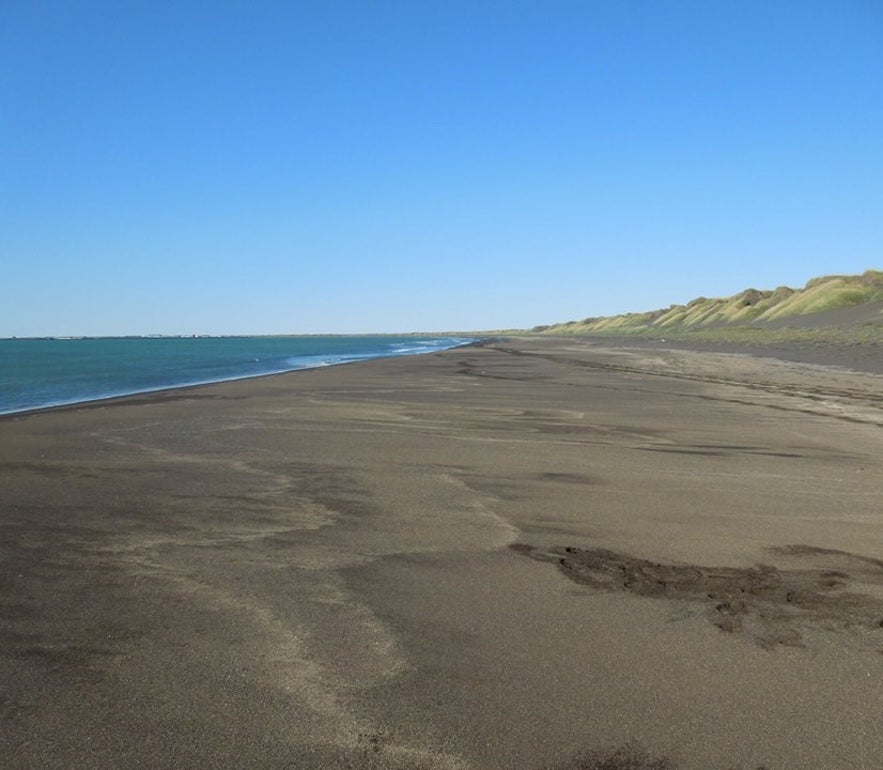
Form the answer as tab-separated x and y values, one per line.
769	605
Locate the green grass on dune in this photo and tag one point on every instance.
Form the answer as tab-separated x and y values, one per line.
747	316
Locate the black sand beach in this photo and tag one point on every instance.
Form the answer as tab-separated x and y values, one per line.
535	553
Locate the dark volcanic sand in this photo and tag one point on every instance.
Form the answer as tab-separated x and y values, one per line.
861	357
532	554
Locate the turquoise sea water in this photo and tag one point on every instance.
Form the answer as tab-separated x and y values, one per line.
36	373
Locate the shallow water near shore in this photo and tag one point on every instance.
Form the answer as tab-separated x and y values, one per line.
37	373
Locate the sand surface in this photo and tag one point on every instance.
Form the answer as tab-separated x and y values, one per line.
532	554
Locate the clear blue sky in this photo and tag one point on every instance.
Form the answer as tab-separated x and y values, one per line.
325	166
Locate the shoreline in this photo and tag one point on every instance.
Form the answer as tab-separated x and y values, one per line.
859	358
98	400
414	563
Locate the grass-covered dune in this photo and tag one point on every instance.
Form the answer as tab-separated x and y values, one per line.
845	306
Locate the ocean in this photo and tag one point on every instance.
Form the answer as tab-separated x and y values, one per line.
37	373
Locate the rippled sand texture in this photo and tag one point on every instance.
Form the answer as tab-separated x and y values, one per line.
528	554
